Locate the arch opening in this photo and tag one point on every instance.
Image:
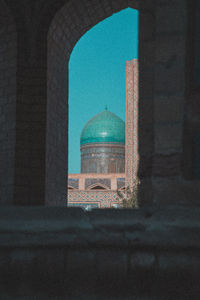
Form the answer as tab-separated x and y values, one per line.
97	88
62	36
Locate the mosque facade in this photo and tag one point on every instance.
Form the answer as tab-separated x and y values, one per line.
108	159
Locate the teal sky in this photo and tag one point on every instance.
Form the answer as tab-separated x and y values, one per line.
97	74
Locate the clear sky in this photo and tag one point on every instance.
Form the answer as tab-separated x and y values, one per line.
97	74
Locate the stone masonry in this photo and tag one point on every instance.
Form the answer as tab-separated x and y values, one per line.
62	253
40	37
65	253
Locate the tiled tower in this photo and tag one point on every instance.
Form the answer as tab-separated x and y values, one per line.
103	144
132	96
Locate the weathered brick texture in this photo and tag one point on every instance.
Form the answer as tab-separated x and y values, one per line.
104	254
8	64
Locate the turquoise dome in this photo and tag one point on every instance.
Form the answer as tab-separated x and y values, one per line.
105	127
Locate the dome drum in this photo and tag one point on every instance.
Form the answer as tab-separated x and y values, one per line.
102	159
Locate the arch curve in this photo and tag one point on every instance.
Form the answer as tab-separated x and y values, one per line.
98	186
69	24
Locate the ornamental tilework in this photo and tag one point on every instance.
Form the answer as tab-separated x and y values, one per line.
73	182
120	183
91	181
132	96
99	199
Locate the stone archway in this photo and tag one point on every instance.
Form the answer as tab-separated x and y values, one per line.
69	24
161	90
35	173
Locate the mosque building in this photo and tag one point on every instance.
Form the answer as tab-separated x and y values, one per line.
102	145
104	167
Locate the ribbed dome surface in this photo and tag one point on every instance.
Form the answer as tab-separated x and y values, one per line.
105	127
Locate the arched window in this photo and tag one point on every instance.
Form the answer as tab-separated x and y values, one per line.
97	186
68	25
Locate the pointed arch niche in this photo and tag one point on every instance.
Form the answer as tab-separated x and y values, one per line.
67	27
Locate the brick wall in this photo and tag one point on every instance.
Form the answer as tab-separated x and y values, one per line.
65	253
8	64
